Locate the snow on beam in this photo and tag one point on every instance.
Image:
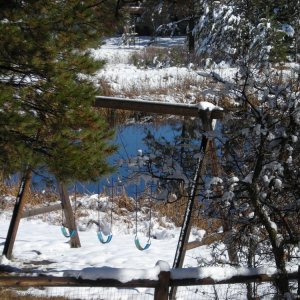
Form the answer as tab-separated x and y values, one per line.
231	280
201	109
48	280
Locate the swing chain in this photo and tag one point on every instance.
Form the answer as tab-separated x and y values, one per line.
99	233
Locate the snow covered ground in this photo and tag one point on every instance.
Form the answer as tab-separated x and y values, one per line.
40	239
165	83
40	247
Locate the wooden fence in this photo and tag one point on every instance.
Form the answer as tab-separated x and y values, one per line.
166	280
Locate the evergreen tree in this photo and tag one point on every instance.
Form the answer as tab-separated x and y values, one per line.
46	113
46	97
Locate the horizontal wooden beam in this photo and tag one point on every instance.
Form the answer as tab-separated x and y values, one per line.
179	109
44	280
39	281
232	280
41	210
207	240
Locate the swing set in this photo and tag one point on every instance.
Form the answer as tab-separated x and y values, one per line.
188	110
105	239
101	236
136	239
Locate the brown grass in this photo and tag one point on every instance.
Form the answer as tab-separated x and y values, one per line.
175	212
123	204
12	294
154	56
183	88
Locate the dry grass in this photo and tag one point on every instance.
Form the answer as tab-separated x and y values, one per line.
123	205
183	88
160	57
105	87
175	212
12	294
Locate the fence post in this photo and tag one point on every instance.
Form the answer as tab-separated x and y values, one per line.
162	290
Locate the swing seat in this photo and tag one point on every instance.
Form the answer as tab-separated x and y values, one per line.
139	246
101	237
65	232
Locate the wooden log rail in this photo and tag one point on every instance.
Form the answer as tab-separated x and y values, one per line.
179	109
161	286
52	281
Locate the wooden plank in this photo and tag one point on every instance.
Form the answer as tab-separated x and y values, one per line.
39	281
189	110
41	210
44	280
233	280
207	240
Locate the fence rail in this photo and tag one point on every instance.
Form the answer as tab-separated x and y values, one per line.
166	280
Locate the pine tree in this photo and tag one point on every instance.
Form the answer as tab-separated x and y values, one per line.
46	114
46	98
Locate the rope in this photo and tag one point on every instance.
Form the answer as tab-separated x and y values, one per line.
136	239
123	144
101	236
112	203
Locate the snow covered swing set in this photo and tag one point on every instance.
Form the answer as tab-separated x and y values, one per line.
106	238
207	112
203	111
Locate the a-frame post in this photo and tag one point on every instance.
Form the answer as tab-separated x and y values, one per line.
187	225
69	215
17	213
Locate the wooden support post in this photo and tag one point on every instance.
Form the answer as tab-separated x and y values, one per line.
187	225
157	107
17	214
162	290
206	240
69	215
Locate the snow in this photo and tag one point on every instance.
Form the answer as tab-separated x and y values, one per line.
40	241
288	29
204	105
123	76
126	275
41	247
219	273
166	83
277	183
123	275
248	178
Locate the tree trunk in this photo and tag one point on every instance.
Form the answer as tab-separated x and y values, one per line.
69	215
17	213
281	283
